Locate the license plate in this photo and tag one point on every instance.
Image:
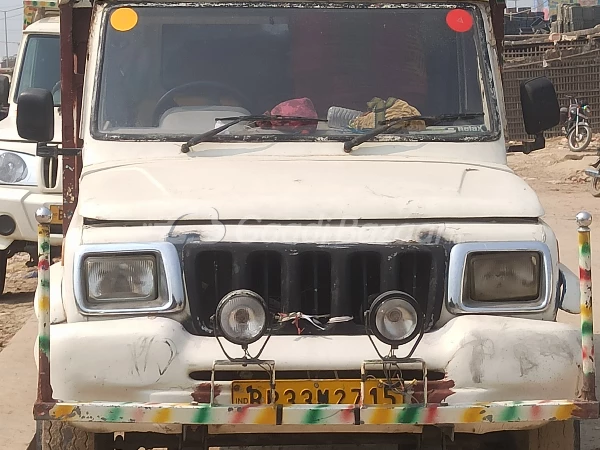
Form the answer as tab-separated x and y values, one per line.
289	392
57	215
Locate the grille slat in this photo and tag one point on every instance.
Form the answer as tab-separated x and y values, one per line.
290	283
390	273
238	276
315	293
263	276
314	279
50	172
414	279
340	306
315	283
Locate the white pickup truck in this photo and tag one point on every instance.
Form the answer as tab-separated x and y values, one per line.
296	227
26	181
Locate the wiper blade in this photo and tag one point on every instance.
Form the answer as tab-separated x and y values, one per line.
235	120
387	124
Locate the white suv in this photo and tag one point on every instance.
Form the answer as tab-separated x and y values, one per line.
26	181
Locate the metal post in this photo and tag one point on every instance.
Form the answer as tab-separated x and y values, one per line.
6	36
584	220
44	217
69	108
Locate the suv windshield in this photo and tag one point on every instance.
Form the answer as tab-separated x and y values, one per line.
41	66
173	71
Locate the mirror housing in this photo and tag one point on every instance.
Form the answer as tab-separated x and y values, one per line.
569	298
35	115
4	90
541	112
539	104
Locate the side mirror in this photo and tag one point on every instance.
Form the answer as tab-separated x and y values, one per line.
4	88
35	115
539	103
569	301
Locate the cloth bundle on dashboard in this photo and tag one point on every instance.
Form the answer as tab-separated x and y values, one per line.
392	108
298	107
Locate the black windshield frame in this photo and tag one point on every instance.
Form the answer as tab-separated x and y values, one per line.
484	59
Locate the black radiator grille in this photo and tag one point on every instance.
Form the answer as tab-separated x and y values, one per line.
312	279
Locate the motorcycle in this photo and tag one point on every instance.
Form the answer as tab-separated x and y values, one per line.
575	124
594	173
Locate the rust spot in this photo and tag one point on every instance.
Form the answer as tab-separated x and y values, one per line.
437	390
201	393
589	387
586	410
44	389
42	410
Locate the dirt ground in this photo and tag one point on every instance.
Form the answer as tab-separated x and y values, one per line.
16	305
556	169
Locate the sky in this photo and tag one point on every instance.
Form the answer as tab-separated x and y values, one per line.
14	25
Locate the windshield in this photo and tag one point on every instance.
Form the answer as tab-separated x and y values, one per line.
172	71
41	66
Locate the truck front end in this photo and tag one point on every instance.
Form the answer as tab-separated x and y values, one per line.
296	226
27	182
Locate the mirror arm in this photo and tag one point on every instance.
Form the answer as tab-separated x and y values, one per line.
52	151
529	146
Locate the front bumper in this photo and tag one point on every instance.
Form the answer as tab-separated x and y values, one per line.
21	203
496	370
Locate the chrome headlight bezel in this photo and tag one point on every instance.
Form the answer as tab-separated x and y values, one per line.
171	293
458	273
30	163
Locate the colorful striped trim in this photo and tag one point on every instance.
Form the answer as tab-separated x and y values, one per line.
587	315
43	289
184	413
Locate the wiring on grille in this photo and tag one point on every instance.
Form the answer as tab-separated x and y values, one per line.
318	321
395	382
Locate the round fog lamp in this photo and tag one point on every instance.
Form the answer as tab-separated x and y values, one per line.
242	317
395	318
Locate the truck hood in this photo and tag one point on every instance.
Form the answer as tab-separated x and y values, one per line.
300	189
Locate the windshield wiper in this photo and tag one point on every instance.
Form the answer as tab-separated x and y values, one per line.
387	124
235	120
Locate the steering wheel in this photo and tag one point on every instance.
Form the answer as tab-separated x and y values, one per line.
54	91
167	100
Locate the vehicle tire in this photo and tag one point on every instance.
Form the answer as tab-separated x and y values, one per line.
578	143
595	186
55	435
3	262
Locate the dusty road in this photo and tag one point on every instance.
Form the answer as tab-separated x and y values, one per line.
16	305
557	178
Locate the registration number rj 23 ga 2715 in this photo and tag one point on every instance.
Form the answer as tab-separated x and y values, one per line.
289	392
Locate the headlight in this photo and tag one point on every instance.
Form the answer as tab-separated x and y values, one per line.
395	318
17	168
121	278
496	276
500	277
242	317
128	279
